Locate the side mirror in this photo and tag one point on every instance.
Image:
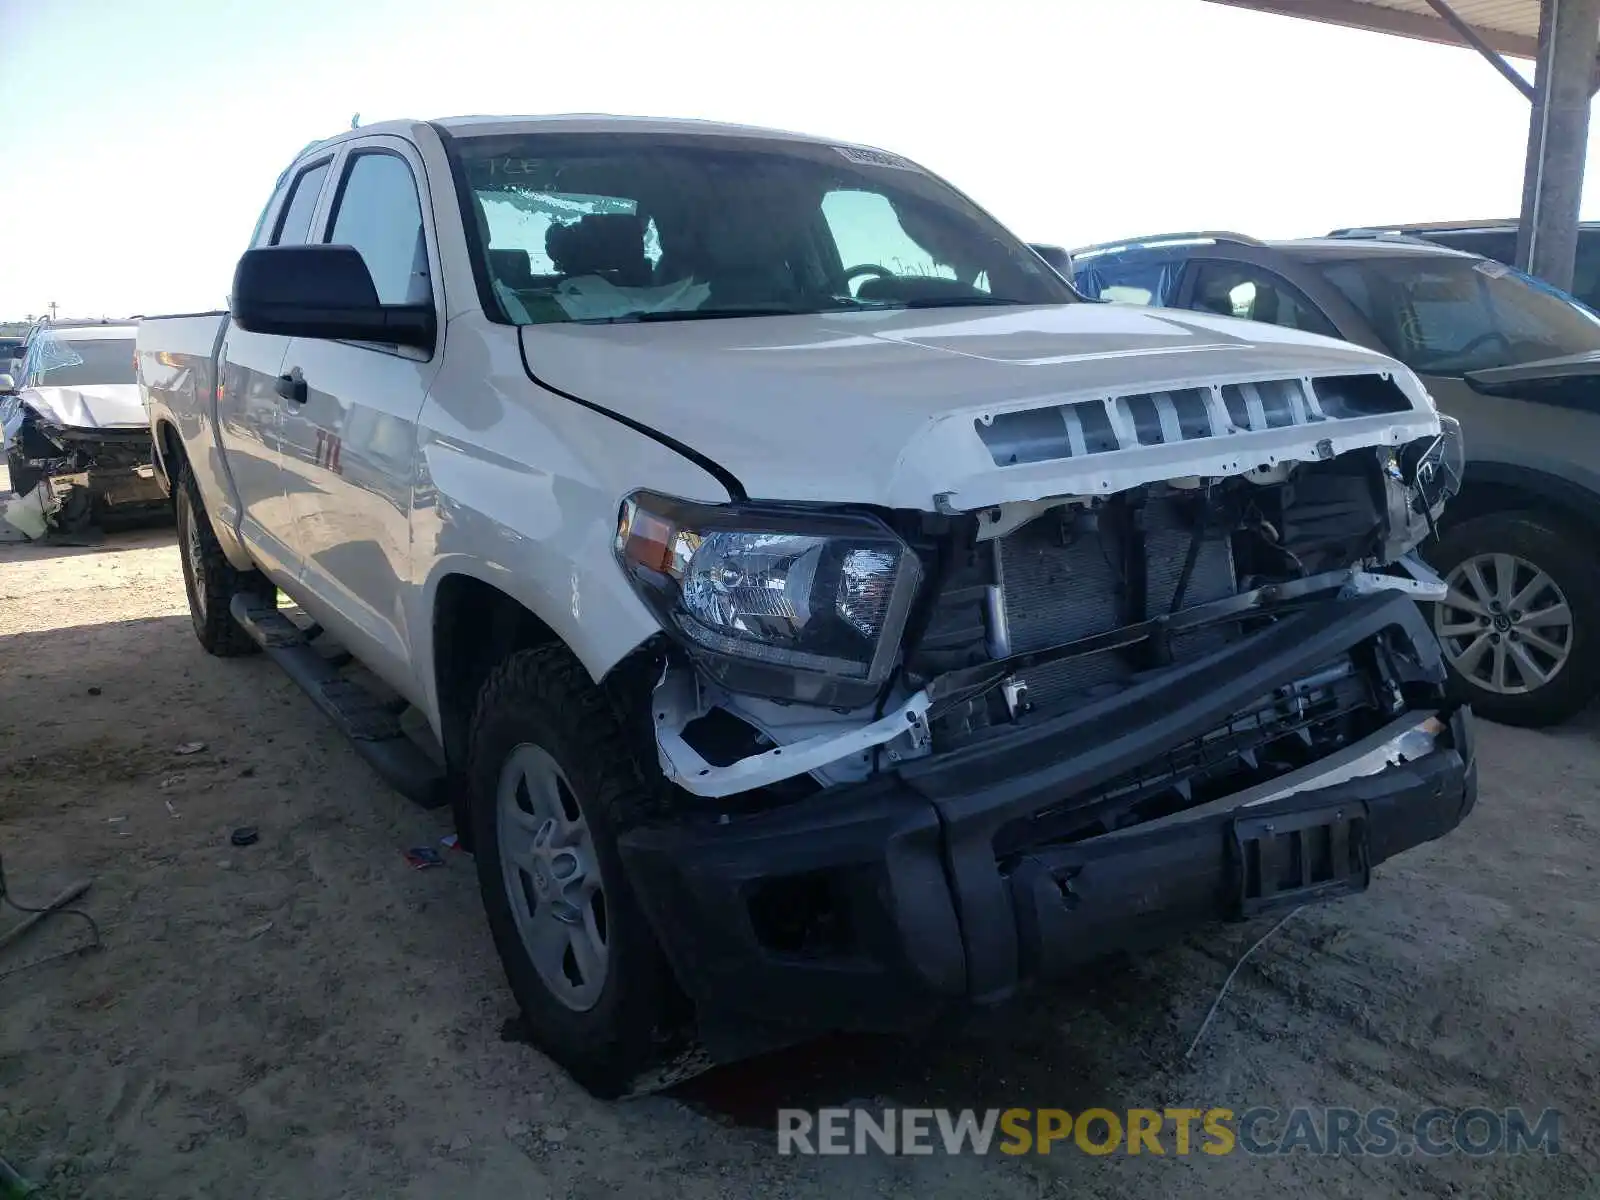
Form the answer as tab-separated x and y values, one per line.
1060	261
322	292
8	385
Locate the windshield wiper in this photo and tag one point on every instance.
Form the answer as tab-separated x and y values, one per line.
961	302
697	314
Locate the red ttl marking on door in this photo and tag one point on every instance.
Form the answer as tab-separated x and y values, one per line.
328	446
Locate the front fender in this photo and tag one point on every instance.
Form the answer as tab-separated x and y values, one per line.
520	488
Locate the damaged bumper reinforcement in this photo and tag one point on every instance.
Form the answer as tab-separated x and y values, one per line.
681	697
956	878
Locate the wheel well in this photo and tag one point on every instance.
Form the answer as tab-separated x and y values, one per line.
476	627
170	446
1479	498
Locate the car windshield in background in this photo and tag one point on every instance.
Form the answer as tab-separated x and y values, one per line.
80	362
1448	316
625	227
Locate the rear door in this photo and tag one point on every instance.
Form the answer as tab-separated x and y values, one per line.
349	449
250	404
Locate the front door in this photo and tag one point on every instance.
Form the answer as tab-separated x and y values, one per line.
251	404
349	448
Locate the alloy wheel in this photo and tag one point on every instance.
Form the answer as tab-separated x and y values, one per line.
1504	625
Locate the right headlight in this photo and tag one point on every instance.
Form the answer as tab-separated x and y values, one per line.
783	602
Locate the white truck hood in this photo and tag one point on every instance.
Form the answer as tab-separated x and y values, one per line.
90	406
957	410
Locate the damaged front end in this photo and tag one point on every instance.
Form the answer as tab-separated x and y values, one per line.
959	749
65	478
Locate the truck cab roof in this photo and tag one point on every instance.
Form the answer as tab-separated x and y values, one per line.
481	125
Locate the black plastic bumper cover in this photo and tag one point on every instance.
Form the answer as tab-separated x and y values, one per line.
935	923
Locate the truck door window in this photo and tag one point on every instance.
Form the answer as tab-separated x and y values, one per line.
1242	290
295	222
379	214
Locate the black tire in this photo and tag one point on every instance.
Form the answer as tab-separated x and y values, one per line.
544	697
1566	554
210	580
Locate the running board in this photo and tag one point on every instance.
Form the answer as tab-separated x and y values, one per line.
371	725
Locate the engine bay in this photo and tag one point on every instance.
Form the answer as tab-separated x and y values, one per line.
1028	610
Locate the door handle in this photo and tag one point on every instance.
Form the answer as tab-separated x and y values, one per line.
291	387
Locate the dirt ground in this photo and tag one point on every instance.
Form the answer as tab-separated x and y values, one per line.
307	1017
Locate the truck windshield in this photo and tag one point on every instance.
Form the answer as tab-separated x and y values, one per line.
1447	315
631	227
58	361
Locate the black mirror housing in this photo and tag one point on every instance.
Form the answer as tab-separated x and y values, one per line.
322	292
1058	258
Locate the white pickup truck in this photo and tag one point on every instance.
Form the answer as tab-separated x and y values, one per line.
820	616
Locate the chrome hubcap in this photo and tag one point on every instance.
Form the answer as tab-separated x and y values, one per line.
1504	625
552	877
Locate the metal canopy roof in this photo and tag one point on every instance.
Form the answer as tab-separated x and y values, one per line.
1510	27
1562	36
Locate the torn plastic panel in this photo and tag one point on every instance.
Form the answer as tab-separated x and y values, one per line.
680	699
1085	428
848	755
1099	445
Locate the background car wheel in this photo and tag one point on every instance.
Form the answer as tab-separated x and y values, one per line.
210	580
553	780
1520	628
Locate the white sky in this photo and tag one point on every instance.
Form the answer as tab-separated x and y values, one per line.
142	136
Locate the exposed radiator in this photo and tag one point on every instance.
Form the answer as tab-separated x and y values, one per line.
1061	582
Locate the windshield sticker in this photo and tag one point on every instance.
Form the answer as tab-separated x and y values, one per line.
518	168
1492	269
875	158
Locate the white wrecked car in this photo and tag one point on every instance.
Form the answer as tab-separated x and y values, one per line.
825	618
76	437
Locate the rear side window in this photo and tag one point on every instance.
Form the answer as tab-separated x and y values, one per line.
1140	280
1253	294
1498	244
295	223
378	213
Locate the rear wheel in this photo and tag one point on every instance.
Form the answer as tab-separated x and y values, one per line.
554	779
210	580
1520	628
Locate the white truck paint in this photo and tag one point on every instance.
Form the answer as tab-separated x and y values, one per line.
468	466
362	478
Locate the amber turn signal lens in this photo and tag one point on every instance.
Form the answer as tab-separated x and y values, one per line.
646	538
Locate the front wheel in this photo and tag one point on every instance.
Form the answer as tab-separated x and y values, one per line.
553	779
1520	627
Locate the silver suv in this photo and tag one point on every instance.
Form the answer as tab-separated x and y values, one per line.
1515	360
